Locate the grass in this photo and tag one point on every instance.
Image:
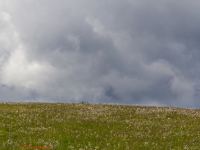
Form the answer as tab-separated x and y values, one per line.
84	126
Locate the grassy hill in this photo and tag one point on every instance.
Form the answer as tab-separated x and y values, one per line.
84	126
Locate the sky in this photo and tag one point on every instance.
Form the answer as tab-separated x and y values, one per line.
143	52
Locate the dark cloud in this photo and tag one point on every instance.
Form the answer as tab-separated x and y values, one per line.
136	52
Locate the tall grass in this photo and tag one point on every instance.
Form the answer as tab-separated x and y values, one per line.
84	126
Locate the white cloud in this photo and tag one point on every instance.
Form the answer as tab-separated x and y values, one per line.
19	72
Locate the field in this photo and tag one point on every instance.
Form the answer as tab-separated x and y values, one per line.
84	126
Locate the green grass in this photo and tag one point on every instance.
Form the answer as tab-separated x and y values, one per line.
84	126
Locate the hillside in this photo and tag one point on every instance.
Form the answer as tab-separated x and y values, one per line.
83	126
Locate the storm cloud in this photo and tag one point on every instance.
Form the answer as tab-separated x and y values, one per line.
113	51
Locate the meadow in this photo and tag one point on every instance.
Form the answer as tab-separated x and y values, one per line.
84	126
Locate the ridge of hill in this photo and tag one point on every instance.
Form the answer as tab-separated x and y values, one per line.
84	126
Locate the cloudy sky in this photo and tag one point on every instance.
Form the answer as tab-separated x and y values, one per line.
111	51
